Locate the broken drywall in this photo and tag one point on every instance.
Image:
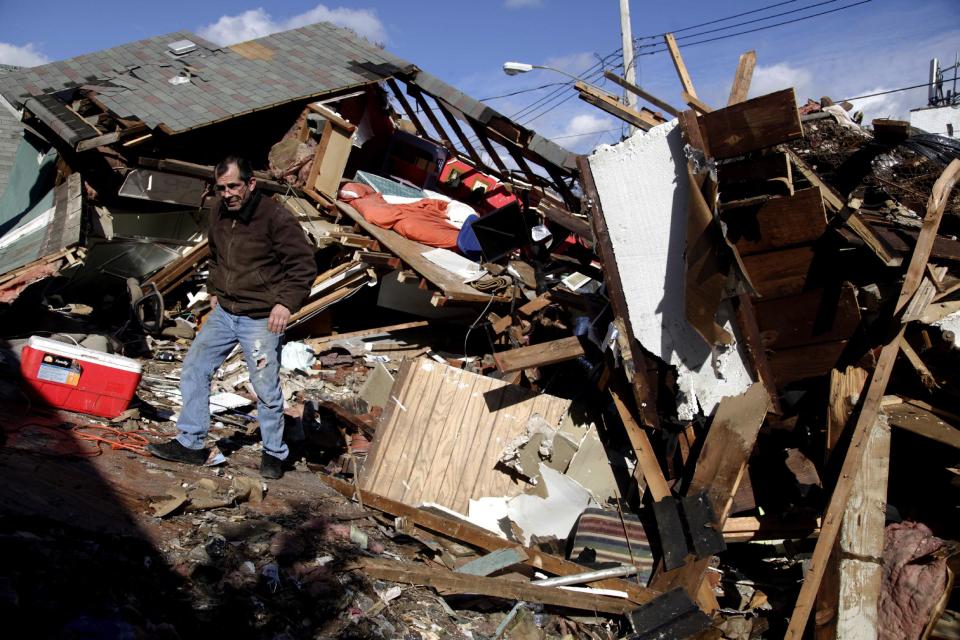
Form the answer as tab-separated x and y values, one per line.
643	187
551	514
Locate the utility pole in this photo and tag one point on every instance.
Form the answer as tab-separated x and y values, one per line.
629	70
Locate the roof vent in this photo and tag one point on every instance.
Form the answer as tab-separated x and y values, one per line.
181	47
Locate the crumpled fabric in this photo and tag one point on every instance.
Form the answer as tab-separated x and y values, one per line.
913	580
424	221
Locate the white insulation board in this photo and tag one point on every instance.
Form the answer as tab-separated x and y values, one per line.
643	187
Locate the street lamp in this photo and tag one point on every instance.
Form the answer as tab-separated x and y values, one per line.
515	68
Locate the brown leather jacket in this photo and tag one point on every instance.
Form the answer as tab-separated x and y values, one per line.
260	256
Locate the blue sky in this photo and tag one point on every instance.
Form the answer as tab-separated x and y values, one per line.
874	46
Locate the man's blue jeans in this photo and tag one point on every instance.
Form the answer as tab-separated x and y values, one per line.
219	334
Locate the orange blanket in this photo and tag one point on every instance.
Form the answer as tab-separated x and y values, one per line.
424	220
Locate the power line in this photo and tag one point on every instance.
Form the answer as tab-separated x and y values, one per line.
769	26
740	24
883	93
704	24
586	133
514	93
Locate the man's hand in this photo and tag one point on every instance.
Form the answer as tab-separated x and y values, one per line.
213	302
278	318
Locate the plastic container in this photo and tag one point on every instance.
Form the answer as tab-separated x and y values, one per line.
77	379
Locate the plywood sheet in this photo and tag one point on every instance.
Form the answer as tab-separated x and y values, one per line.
442	434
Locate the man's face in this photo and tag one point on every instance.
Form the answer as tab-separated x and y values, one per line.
233	191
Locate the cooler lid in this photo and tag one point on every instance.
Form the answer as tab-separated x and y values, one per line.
82	353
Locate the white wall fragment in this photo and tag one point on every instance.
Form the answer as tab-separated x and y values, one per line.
643	188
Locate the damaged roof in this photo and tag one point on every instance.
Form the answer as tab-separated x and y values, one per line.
133	80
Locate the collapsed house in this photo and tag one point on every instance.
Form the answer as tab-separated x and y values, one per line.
649	392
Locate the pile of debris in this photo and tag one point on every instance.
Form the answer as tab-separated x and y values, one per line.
680	386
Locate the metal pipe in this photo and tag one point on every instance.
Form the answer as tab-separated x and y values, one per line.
590	576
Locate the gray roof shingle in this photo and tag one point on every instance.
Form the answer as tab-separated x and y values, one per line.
316	59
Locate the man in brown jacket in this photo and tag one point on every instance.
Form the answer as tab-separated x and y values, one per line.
262	268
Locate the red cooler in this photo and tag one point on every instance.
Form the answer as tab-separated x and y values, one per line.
77	379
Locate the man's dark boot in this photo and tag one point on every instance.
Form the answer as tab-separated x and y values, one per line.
176	452
271	467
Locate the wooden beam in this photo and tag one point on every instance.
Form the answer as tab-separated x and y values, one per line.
849	594
461	136
431	116
110	138
647	462
402	99
566	220
919	366
720	468
632	88
264	181
752	125
481	134
606	103
475	536
696	103
853	221
741	81
679	64
455	583
915	419
539	355
861	541
871	407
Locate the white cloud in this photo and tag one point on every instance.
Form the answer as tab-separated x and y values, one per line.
256	23
584	124
25	56
522	4
767	79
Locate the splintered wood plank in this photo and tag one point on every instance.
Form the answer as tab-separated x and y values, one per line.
720	467
647	462
467	533
777	223
741	81
679	65
861	541
751	125
811	317
922	422
846	388
443	432
451	582
539	355
779	273
871	406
